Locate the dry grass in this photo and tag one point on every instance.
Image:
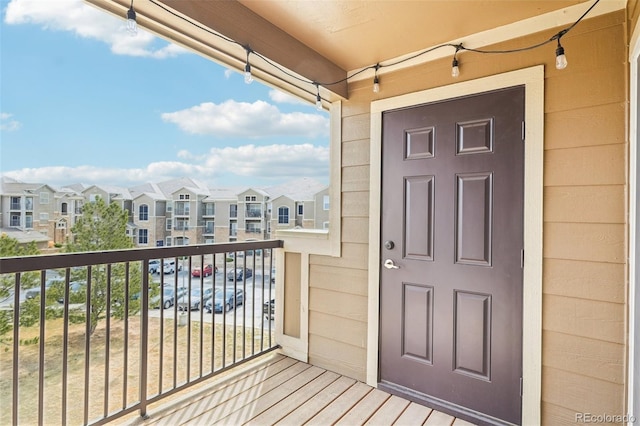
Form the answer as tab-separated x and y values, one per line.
123	368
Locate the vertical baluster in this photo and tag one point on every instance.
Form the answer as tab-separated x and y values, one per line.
107	342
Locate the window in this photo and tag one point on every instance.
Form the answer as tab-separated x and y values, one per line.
143	236
253	228
62	224
209	240
209	209
182	224
283	215
143	212
15	220
233	229
325	225
44	198
325	202
64	209
15	203
28	203
169	225
183	196
300	210
169	206
209	227
93	198
182	208
28	223
233	210
250	198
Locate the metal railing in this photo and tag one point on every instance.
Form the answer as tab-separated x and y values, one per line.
90	337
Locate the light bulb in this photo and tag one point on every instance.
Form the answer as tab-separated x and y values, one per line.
248	78
376	85
318	102
455	70
561	60
132	25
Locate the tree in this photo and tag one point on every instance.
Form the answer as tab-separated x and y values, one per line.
103	227
10	247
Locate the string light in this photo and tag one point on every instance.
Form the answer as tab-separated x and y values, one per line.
132	24
248	78
376	81
455	69
561	60
318	98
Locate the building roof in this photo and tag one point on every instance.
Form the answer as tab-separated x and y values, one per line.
24	237
303	189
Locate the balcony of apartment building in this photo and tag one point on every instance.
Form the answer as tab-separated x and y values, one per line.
208	210
143	355
181	208
253	211
209	228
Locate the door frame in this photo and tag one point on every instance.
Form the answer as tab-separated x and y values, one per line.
533	81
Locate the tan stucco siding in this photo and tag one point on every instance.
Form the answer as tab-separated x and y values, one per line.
585	178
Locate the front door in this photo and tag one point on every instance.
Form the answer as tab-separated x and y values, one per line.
452	250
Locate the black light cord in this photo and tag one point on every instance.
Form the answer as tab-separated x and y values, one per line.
458	48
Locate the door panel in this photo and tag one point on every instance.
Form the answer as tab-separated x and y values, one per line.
452	202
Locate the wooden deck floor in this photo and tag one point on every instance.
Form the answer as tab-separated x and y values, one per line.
279	390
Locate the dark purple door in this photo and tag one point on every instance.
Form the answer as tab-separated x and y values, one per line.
452	241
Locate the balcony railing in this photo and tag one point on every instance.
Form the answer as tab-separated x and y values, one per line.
253	213
91	337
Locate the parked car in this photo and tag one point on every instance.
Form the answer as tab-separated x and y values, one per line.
75	290
154	266
268	309
206	271
196	300
168	297
225	300
34	292
239	274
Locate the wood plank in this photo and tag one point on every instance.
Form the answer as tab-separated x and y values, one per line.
306	411
389	412
355	178
460	422
293	401
597	242
341	280
243	393
355	204
597	125
415	414
205	399
581	394
355	153
341	305
365	408
593	165
355	230
584	280
351	332
438	418
580	355
356	127
354	256
336	409
585	204
337	356
255	403
586	318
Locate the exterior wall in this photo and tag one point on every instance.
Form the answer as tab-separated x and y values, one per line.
585	251
320	214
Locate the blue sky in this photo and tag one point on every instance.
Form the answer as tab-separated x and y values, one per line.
81	101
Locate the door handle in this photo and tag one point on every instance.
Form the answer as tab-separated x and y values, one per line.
389	264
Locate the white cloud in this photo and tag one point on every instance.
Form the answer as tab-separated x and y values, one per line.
285	98
251	120
8	124
88	22
246	165
228	73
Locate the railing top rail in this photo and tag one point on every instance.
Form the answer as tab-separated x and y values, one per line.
67	260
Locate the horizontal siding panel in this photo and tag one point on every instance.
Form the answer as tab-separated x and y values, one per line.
555	415
584	204
344	280
341	305
338	357
356	127
566	91
355	230
355	153
351	332
584	280
586	318
593	241
597	165
593	126
355	178
354	256
355	204
588	357
581	394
